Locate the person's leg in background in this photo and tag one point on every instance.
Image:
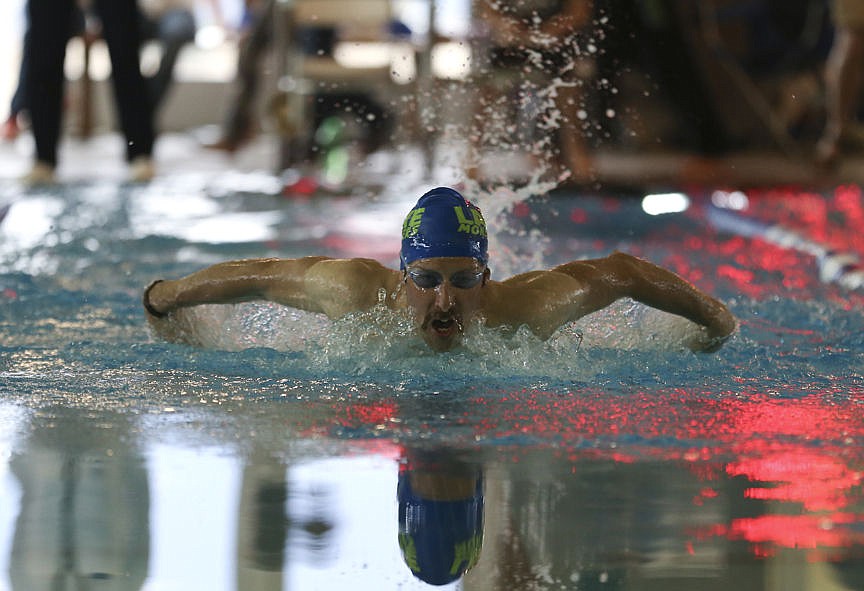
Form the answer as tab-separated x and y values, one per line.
120	29
842	80
46	51
174	29
239	126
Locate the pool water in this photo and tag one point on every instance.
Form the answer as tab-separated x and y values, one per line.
288	452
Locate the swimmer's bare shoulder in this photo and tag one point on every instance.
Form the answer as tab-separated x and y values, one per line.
342	286
540	300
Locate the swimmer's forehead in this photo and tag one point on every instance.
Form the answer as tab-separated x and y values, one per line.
446	263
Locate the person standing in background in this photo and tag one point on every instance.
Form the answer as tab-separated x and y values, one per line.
239	125
843	73
19	107
46	52
172	24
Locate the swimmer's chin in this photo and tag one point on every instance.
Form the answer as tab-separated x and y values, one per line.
442	342
442	333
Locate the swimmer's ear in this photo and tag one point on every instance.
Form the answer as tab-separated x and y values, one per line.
487	273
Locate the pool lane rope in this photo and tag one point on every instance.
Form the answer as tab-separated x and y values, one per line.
843	268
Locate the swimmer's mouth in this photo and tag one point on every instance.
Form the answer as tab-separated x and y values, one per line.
444	326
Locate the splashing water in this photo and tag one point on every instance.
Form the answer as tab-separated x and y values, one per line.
514	124
381	342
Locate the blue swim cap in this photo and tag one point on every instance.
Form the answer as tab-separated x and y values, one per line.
440	540
443	224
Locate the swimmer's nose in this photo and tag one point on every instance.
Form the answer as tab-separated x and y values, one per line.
444	296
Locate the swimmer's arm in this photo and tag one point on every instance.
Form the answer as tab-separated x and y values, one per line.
621	275
315	284
233	282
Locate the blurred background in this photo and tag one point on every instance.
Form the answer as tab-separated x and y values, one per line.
657	90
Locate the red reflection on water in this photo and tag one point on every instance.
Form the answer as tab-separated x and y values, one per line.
736	423
833	219
760	269
371	413
769	532
802	455
797	453
816	480
722	262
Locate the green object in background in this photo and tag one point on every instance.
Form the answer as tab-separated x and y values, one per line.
330	132
335	169
330	136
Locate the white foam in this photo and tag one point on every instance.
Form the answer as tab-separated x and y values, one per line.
382	340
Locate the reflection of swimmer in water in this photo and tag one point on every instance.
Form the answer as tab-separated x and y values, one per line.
440	516
444	283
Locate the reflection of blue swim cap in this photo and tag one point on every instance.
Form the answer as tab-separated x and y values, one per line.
443	224
440	540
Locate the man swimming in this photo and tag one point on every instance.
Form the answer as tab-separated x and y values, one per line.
444	283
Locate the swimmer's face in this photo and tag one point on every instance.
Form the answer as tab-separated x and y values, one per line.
444	295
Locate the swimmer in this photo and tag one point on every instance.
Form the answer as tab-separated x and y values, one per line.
444	284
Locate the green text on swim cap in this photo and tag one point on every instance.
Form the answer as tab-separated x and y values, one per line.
473	225
412	223
476	226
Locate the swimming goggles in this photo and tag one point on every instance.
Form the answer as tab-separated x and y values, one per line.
427	279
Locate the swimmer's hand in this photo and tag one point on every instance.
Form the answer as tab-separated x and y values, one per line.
702	343
157	317
168	323
709	339
152	311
